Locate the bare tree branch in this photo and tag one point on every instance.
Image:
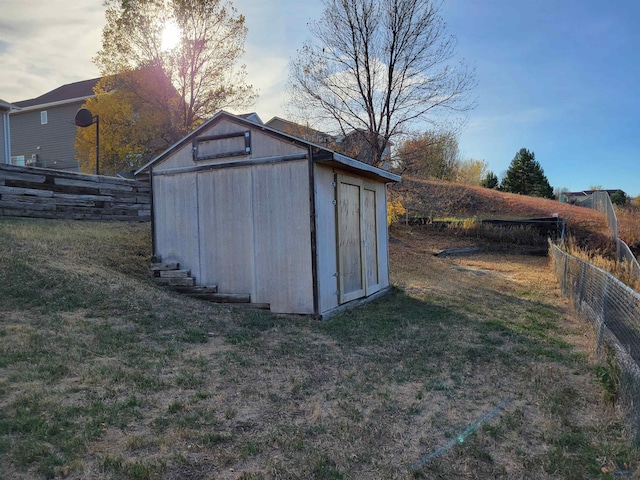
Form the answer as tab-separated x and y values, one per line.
378	67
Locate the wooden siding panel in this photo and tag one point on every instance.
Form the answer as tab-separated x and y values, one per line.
383	235
350	239
370	239
180	158
325	192
284	277
262	146
175	220
226	230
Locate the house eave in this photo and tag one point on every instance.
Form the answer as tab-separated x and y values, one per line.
43	106
348	163
6	107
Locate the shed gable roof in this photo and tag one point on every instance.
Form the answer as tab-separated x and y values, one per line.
324	155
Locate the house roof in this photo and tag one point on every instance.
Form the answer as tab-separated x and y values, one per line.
253	116
327	156
277	123
585	193
65	93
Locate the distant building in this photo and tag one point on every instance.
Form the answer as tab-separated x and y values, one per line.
302	132
356	145
43	131
576	197
353	144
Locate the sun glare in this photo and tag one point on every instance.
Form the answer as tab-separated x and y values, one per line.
170	36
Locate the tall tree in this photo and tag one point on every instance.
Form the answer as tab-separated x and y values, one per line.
135	125
201	65
526	176
378	66
432	155
490	180
471	172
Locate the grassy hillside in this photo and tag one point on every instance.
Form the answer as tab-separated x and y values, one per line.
429	197
469	368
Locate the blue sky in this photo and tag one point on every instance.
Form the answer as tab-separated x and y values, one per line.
559	77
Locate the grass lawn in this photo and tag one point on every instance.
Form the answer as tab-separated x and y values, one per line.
470	367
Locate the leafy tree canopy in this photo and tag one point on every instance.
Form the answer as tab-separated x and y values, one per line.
471	172
199	73
431	155
202	64
135	124
619	198
526	177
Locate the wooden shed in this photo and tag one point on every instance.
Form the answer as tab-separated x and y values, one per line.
262	213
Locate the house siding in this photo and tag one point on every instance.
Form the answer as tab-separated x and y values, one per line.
2	154
56	138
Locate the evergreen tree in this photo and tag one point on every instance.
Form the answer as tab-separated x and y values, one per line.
526	177
490	180
619	198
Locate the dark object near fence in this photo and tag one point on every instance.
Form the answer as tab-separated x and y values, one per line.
42	193
547	226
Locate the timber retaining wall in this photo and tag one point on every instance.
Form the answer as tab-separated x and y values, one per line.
43	193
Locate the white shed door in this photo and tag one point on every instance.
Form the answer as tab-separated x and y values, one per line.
357	239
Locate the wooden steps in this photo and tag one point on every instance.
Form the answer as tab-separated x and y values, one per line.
169	274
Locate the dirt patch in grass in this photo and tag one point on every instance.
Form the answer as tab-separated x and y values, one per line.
135	382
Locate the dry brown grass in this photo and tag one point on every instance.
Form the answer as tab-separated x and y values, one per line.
103	375
430	197
622	270
629	227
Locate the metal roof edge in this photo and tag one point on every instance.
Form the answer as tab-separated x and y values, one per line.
353	163
41	106
7	107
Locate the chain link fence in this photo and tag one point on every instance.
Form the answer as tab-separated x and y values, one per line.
614	311
600	201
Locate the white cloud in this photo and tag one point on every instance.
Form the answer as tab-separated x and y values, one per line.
46	45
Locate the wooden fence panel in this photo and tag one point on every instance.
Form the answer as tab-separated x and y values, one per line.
41	193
